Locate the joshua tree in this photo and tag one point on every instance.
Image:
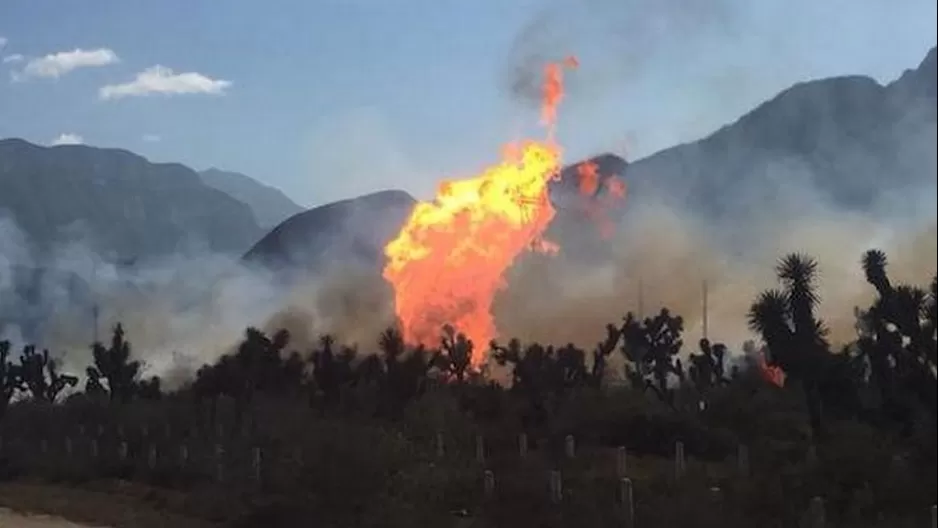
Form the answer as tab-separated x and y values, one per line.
898	340
794	336
114	365
652	345
10	380
707	369
457	353
601	353
41	376
326	370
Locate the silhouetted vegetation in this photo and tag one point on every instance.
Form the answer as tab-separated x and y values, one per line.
385	436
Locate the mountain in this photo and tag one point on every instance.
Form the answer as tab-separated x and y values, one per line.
340	233
116	202
847	142
269	205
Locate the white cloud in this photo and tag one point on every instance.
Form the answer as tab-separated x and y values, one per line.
58	64
3	42
10	59
162	80
68	139
151	138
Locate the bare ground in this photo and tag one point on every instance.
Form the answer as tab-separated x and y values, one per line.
32	504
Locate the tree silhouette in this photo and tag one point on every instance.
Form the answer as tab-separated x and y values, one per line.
39	373
10	381
652	345
897	338
707	369
457	353
794	336
114	365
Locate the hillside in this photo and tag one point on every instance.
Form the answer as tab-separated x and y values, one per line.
269	204
346	231
847	142
116	202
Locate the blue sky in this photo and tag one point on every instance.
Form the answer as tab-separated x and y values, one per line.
327	99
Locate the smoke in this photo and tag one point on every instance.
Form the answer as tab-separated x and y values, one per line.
178	312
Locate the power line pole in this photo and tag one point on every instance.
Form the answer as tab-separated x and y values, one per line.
705	320
641	299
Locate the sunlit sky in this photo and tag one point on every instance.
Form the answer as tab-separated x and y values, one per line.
328	99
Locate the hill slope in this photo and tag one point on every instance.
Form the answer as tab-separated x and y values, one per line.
269	205
845	141
116	202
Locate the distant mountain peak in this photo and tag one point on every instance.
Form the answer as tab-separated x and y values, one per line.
269	204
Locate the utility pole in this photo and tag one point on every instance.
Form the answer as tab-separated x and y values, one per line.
95	310
705	321
641	299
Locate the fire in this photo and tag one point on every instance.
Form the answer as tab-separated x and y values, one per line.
770	373
448	261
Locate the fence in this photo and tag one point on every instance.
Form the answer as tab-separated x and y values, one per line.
231	459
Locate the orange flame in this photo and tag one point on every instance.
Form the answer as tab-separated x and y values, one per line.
771	373
448	260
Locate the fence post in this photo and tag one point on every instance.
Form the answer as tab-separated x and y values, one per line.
742	460
812	455
480	449
556	487
488	484
679	463
256	463
626	501
621	462
219	463
816	513
716	496
440	445
570	446
523	445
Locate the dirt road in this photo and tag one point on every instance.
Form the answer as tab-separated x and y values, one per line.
10	519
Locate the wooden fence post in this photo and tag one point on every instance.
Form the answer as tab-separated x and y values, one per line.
256	461
816	513
219	463
523	445
480	449
626	501
556	487
716	496
570	446
679	462
440	445
621	462
488	484
742	460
